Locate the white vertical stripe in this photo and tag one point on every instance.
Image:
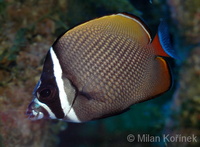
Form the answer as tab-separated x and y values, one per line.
62	94
58	76
72	116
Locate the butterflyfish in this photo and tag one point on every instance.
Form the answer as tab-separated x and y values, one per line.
100	68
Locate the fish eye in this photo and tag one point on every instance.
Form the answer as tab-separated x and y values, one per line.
45	93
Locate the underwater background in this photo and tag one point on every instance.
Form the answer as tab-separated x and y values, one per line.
28	29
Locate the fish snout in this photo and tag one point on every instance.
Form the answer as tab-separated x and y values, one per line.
35	111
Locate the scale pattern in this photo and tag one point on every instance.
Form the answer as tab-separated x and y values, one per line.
108	67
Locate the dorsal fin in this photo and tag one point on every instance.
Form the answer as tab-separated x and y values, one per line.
140	21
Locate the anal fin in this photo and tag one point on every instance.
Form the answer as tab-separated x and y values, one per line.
163	79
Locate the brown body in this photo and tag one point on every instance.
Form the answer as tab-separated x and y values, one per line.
112	64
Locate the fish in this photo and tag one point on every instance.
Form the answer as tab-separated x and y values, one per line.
102	67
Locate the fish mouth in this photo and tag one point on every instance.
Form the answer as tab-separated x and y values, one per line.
36	112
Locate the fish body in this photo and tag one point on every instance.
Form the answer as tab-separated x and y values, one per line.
100	68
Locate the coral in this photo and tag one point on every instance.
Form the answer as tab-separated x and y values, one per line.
186	15
26	34
185	119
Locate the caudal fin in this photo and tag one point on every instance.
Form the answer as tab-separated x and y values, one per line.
161	42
